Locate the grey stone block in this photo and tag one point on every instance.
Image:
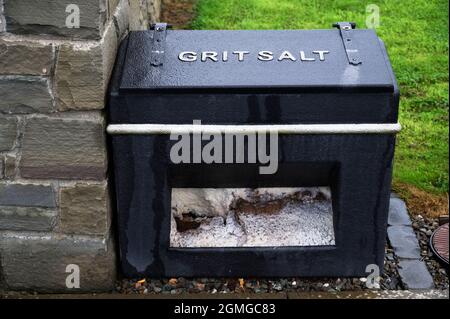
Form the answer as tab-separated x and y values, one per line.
49	17
415	275
138	15
79	78
25	95
2	167
23	57
121	17
2	20
154	10
84	209
8	129
10	166
64	148
112	5
83	69
27	207
27	195
27	218
398	213
38	262
404	241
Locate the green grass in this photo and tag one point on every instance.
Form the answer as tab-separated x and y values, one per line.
416	35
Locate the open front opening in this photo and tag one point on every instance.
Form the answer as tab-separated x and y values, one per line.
251	217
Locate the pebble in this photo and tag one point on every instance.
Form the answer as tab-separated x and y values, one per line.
389	279
424	228
277	287
200	286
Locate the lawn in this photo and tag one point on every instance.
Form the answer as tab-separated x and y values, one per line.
416	35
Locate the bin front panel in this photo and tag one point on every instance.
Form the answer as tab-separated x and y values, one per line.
245	78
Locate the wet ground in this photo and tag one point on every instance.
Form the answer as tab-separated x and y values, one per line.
390	285
389	294
390	279
424	227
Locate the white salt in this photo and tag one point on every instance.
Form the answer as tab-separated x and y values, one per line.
308	222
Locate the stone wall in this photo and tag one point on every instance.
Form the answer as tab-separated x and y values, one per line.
54	192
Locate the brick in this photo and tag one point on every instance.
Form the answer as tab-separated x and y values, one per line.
23	57
49	17
27	218
8	129
31	195
84	209
38	262
64	148
25	95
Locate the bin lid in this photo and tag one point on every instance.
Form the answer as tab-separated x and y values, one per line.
200	59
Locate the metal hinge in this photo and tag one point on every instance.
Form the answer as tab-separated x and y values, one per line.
159	43
346	29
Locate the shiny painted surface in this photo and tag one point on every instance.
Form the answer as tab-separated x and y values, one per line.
357	167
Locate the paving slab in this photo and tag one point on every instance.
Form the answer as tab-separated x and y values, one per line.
404	241
398	213
415	275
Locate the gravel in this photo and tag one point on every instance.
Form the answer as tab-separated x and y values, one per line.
424	228
390	279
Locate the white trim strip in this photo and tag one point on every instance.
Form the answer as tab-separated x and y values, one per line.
147	129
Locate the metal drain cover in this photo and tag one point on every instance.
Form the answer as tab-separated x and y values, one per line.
439	242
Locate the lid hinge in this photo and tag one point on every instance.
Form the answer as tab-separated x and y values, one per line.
159	43
346	30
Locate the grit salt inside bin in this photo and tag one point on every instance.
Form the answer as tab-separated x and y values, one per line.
244	217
